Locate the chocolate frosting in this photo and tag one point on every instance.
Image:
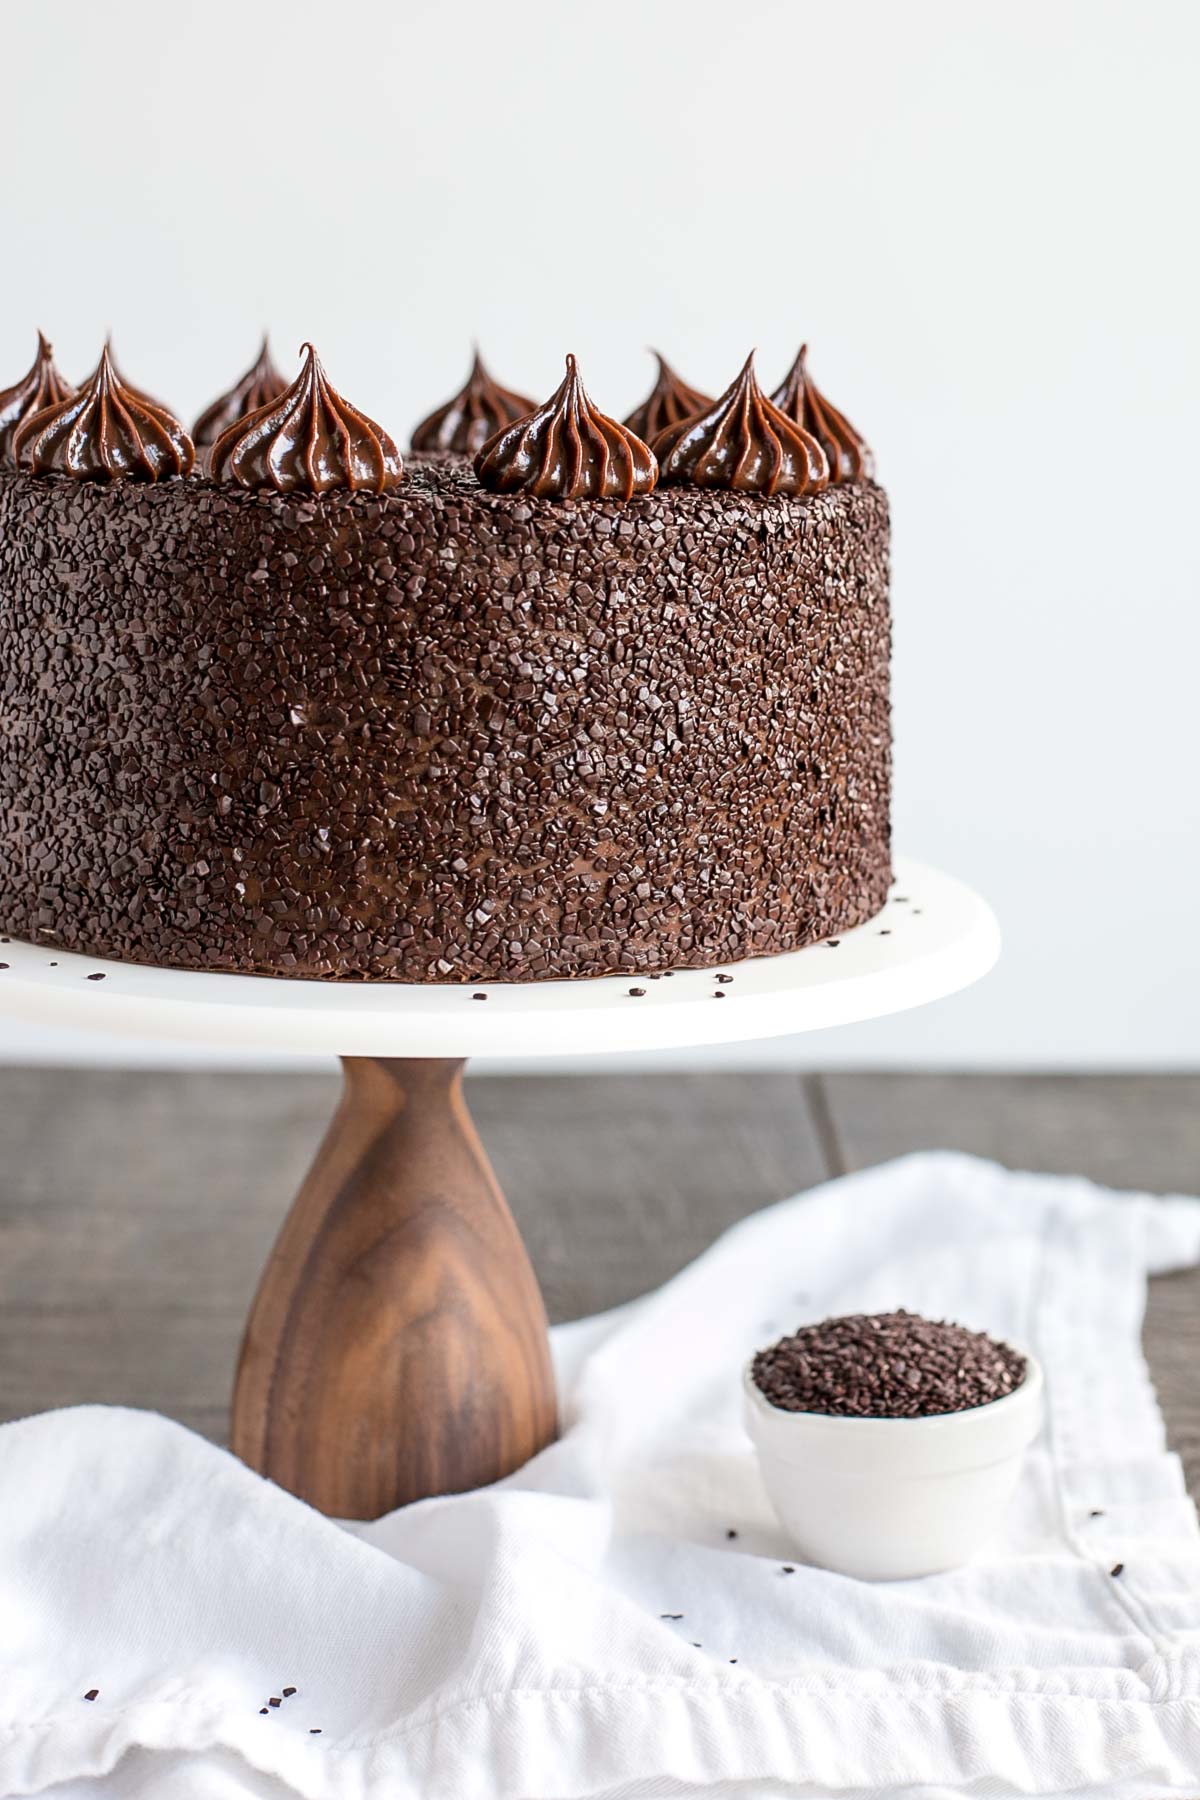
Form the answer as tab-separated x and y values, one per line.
310	439
567	450
668	401
261	384
103	432
743	441
846	450
129	386
39	387
476	413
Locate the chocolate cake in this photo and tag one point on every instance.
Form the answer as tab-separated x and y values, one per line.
584	706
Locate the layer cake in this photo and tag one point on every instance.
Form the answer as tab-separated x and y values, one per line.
584	719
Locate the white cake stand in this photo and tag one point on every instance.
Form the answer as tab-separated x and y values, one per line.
397	1345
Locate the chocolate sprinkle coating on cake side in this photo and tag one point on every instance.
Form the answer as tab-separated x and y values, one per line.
440	734
886	1366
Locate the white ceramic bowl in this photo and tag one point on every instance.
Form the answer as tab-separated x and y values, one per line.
885	1499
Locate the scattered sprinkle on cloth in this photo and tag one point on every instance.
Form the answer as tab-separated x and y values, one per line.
623	1617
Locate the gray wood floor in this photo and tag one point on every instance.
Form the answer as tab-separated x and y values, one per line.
137	1209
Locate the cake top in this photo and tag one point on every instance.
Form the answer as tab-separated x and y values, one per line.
304	437
128	386
307	438
103	432
261	384
477	412
846	450
568	450
669	401
743	441
41	385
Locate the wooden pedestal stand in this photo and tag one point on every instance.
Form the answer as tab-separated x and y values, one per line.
397	1345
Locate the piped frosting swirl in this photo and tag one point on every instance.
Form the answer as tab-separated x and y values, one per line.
846	450
477	412
669	401
307	439
567	450
104	432
42	385
744	442
261	384
130	387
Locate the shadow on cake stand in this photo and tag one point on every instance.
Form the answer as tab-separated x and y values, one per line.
397	1345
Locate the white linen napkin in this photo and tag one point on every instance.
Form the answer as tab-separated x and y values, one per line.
593	1626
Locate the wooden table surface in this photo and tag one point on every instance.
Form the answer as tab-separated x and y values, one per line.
136	1210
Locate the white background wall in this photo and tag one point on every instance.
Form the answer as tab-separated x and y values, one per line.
982	217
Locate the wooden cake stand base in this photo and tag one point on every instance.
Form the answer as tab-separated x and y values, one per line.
397	1345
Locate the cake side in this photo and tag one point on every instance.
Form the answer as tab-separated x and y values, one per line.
440	734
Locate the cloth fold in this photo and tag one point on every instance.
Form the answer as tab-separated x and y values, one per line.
619	1617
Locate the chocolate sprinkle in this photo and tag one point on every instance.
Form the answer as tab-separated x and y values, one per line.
1116	1569
637	993
288	1692
886	1366
98	977
440	735
92	1694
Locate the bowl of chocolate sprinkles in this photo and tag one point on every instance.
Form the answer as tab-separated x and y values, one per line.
889	1443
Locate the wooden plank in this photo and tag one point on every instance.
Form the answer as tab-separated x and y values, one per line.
176	1360
136	1211
1127	1131
120	1188
619	1181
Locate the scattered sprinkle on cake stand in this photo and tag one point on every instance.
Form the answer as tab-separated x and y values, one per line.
397	1344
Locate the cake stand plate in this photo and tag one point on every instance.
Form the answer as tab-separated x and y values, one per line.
397	1345
933	937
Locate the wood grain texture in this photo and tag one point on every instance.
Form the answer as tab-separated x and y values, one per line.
136	1213
1125	1131
619	1182
397	1345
